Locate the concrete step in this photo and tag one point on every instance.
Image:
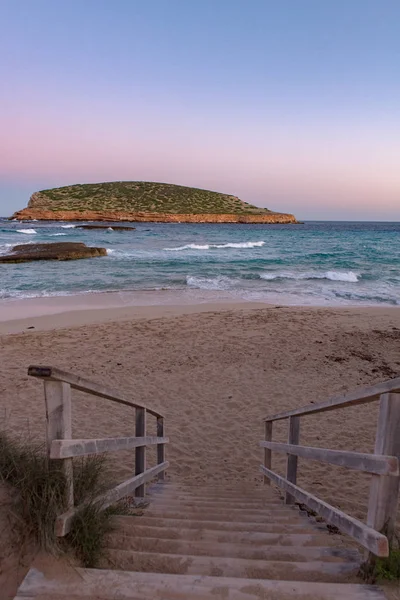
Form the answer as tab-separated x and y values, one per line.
261	526
90	584
148	562
255	538
233	549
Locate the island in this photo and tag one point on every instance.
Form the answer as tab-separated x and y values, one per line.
51	251
143	201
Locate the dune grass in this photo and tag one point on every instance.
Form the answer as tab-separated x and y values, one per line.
39	488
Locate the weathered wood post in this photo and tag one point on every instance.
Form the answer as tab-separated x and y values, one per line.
140	452
57	396
291	464
267	451
160	447
384	490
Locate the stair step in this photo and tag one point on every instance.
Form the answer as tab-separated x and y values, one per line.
234	550
209	503
209	495
219	566
108	584
269	512
256	538
285	527
290	518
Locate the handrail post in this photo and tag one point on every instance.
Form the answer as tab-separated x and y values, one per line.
291	465
384	490
267	451
160	447
140	452
57	396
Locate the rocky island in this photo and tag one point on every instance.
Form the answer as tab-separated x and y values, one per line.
141	201
56	251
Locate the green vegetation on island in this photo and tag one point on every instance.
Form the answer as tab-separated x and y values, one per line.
141	196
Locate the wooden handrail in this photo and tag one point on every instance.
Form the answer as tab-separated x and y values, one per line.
61	446
358	461
383	465
85	385
361	396
74	448
64	521
366	536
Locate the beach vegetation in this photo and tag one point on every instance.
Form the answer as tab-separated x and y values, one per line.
38	487
387	569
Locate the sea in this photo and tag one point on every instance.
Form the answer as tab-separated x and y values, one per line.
316	263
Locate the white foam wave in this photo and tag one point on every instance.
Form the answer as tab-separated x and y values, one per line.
210	246
110	229
347	276
5	248
29	231
56	234
209	283
68	226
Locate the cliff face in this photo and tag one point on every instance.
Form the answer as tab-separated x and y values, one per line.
28	214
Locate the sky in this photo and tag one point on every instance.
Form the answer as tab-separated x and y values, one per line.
289	104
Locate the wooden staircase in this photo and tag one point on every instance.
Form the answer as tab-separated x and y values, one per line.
223	542
217	543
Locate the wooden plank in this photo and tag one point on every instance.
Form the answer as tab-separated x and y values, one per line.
267	451
384	491
361	396
160	446
140	452
59	425
64	522
374	541
369	463
291	463
84	385
83	447
131	585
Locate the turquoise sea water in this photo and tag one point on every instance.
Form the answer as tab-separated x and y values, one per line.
321	263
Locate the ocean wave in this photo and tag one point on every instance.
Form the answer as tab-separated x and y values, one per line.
347	276
220	282
5	248
68	226
56	234
29	231
210	246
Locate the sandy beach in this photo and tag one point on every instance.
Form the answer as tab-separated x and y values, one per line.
214	370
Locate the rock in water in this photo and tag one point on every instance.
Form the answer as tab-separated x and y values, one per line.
57	251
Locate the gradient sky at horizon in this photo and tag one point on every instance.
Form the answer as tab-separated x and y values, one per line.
293	105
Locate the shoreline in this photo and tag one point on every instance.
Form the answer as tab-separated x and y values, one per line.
56	312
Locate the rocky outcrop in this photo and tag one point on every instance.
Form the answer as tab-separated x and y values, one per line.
57	251
28	214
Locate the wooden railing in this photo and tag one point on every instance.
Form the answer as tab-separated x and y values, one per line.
383	465
60	445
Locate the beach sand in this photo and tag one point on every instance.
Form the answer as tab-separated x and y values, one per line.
214	371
